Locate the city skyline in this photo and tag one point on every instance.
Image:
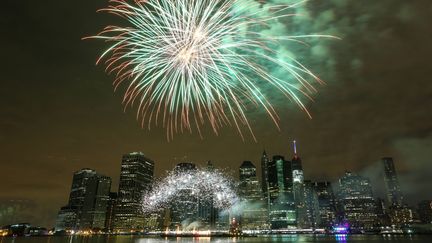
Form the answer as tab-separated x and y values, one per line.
297	165
287	200
59	113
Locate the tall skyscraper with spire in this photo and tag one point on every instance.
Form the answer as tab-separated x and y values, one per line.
296	165
299	189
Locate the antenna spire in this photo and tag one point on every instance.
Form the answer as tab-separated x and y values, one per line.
295	147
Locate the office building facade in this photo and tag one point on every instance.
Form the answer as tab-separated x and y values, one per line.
136	177
282	208
357	202
326	204
88	201
254	213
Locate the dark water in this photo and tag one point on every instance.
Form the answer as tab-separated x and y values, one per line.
290	238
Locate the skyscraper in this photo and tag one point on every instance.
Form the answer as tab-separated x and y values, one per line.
326	203
249	186
356	200
136	177
109	219
254	214
264	174
66	219
303	219
282	209
207	213
394	194
297	172
79	192
311	217
88	202
96	202
398	212
296	164
184	210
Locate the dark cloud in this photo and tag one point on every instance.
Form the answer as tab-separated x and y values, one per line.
59	113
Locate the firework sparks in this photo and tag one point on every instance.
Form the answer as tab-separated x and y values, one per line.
211	185
191	61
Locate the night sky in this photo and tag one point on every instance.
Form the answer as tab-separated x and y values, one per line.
59	112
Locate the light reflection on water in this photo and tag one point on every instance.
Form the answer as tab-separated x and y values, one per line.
276	238
341	238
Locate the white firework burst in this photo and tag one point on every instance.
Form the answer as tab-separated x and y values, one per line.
204	185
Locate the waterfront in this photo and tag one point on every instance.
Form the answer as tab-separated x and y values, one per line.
285	238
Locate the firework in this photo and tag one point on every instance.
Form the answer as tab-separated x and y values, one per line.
188	62
202	184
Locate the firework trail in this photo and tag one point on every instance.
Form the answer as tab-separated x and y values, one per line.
205	185
191	61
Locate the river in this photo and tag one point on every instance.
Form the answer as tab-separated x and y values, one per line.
286	238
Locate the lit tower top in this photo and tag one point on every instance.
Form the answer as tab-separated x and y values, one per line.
296	161
297	169
264	154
